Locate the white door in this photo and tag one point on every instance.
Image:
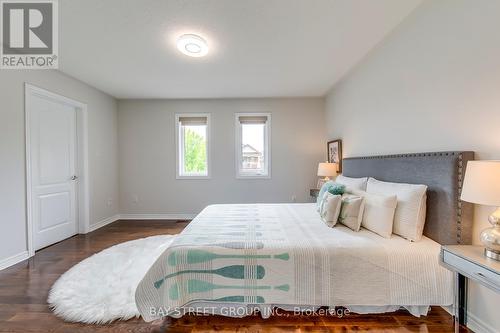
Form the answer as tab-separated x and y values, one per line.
53	155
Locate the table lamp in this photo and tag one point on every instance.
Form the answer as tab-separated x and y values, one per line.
482	186
326	170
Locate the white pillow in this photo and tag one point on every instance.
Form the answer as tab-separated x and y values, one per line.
379	212
351	212
409	218
330	208
352	183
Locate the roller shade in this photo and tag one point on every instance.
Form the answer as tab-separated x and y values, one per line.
252	119
193	120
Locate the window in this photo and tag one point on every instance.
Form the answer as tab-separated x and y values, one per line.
253	136
193	150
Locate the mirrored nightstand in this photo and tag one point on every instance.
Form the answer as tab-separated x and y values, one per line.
314	193
469	262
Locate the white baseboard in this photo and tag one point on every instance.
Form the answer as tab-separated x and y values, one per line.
157	216
448	309
477	325
17	258
473	322
104	222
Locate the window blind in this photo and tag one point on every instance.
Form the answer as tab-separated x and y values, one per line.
252	119
193	120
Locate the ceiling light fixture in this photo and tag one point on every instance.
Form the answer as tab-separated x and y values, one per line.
192	45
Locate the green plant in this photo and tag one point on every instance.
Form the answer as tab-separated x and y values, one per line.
195	152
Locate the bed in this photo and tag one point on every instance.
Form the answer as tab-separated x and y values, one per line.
234	259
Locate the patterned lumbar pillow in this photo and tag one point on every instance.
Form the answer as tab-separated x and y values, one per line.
330	208
351	212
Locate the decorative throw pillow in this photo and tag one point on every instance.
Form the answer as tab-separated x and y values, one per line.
378	215
321	193
336	189
409	218
351	212
352	183
332	187
330	208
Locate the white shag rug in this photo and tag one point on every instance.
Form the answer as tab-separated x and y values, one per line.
101	288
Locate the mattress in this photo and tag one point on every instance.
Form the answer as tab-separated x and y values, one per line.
258	256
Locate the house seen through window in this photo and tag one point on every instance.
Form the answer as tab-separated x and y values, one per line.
252	145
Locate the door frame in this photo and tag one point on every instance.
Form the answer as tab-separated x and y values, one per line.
82	165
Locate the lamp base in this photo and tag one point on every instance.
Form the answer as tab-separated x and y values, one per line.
490	237
492	254
321	182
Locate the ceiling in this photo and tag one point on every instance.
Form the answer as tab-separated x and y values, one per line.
258	48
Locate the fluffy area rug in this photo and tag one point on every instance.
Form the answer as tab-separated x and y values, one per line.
101	288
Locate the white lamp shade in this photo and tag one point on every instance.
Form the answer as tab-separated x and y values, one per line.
482	183
327	169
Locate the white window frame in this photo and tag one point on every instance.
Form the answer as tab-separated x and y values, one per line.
179	147
267	146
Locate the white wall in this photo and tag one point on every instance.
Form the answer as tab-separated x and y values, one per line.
103	150
147	154
433	85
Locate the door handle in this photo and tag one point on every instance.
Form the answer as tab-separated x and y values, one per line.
74	177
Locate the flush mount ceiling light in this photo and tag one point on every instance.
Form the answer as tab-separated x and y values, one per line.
192	45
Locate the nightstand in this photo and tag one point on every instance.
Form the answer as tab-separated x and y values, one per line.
469	262
314	193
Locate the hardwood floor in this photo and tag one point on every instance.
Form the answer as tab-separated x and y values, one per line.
25	286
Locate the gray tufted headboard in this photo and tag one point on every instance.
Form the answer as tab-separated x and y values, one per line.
449	220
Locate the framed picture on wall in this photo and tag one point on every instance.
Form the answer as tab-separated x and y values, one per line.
334	151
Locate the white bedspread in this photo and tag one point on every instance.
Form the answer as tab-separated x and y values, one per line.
283	254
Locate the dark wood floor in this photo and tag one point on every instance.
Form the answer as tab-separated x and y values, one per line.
25	286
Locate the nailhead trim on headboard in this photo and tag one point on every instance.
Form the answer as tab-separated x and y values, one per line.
460	168
450	153
459	203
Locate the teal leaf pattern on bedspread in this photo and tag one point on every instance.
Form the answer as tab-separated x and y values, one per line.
199	256
260	255
232	272
240	245
223	261
202	269
240	299
198	286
